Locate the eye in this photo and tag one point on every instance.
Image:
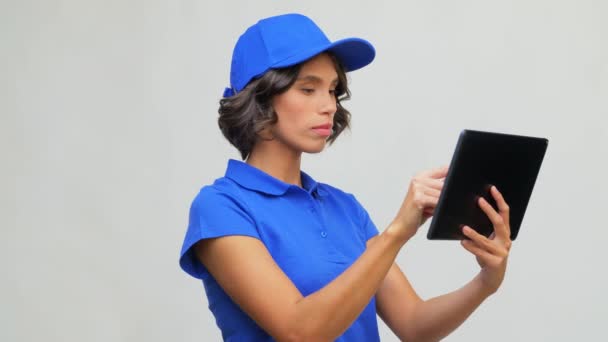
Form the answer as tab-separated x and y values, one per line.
333	92
308	90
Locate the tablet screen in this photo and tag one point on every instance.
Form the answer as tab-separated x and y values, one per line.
480	160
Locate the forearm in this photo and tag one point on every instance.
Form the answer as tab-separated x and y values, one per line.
327	313
438	317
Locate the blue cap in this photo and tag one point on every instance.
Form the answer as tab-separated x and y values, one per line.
286	40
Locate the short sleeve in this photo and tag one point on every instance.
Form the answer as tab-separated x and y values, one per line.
369	228
213	214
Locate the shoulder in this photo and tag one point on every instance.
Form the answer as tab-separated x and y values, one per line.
217	210
221	189
220	201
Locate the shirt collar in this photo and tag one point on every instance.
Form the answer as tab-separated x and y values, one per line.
255	179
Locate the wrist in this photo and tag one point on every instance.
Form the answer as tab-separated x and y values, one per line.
397	234
482	287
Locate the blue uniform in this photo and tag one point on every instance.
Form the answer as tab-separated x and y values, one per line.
313	233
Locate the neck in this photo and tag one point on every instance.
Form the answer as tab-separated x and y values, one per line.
278	162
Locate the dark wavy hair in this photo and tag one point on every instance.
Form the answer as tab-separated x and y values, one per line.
244	115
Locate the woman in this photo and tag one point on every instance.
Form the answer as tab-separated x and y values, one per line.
284	257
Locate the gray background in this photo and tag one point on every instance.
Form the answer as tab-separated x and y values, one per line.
108	129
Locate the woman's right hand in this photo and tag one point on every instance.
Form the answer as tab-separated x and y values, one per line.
420	202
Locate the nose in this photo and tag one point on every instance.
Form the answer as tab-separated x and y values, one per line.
329	104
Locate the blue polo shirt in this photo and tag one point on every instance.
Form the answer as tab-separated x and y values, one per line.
313	233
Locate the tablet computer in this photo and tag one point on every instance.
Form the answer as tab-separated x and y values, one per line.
480	160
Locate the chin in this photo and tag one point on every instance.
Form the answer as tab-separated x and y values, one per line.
314	148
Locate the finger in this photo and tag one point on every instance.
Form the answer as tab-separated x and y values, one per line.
432	192
497	221
428	202
432	183
503	207
481	241
428	213
484	256
439	172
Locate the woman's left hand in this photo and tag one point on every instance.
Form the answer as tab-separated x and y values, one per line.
491	253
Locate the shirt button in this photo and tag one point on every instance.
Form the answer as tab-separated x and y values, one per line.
323	234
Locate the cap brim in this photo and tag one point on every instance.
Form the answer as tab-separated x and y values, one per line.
353	53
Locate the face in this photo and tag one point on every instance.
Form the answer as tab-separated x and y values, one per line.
306	110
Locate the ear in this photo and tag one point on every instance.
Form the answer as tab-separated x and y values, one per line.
267	134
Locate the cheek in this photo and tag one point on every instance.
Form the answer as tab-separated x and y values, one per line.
292	112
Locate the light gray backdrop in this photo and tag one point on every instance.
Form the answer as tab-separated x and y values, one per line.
108	129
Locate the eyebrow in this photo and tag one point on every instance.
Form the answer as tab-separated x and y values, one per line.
314	79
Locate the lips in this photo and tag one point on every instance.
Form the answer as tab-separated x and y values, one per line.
326	126
323	130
